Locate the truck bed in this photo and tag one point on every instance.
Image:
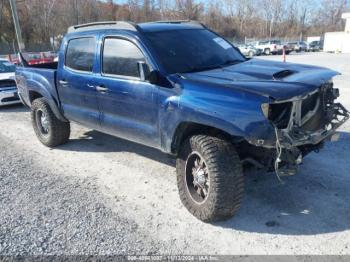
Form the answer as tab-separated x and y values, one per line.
36	78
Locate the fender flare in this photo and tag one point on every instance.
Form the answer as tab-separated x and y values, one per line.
50	100
171	136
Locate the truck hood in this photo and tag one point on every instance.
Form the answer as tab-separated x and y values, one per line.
5	76
276	80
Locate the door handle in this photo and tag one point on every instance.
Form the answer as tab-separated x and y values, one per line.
63	82
101	89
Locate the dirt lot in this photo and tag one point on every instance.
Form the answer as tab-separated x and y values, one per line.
102	195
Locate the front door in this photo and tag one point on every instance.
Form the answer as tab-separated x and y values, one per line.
75	82
128	105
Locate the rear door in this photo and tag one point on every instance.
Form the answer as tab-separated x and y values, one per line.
129	106
75	81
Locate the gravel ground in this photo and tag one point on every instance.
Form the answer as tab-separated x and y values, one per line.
47	212
103	195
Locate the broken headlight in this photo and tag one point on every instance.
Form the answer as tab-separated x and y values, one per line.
265	109
278	113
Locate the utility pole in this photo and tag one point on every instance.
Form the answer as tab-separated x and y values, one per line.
17	26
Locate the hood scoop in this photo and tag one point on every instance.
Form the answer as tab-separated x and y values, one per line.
282	74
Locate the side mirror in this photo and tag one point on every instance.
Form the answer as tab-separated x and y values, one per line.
143	69
154	77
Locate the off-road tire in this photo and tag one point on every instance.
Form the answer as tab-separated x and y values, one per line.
58	132
225	177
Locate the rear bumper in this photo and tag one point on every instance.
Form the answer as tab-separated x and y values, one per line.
9	96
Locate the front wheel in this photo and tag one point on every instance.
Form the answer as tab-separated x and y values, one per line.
209	178
48	128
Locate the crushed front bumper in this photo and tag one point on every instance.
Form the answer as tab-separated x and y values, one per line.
296	136
9	96
302	124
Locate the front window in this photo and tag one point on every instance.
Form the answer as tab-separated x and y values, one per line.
190	50
7	67
120	57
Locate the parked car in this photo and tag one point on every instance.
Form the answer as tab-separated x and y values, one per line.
33	58
314	46
270	47
249	50
183	89
38	58
8	89
298	46
288	48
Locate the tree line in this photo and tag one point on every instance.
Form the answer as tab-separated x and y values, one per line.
45	20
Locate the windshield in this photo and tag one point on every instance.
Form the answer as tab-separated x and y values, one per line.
190	50
6	67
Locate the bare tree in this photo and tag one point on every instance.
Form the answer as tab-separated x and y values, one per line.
293	19
189	9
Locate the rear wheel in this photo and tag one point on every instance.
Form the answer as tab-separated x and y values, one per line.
48	128
209	178
267	51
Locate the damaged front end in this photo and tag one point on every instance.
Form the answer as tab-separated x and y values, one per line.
302	124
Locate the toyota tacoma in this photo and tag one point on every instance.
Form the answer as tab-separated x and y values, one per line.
183	89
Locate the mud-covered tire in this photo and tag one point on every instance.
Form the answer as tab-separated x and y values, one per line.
57	131
225	175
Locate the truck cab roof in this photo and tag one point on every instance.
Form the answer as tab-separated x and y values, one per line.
133	27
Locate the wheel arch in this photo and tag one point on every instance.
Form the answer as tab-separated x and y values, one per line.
187	129
35	94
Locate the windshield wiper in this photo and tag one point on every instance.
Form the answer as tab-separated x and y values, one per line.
230	62
211	67
203	68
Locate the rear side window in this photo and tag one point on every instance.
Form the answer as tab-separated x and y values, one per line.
120	57
80	54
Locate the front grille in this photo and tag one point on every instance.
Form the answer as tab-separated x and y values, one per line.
7	83
316	122
309	104
317	110
319	119
10	99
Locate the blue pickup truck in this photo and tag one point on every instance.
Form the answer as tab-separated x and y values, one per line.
183	89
